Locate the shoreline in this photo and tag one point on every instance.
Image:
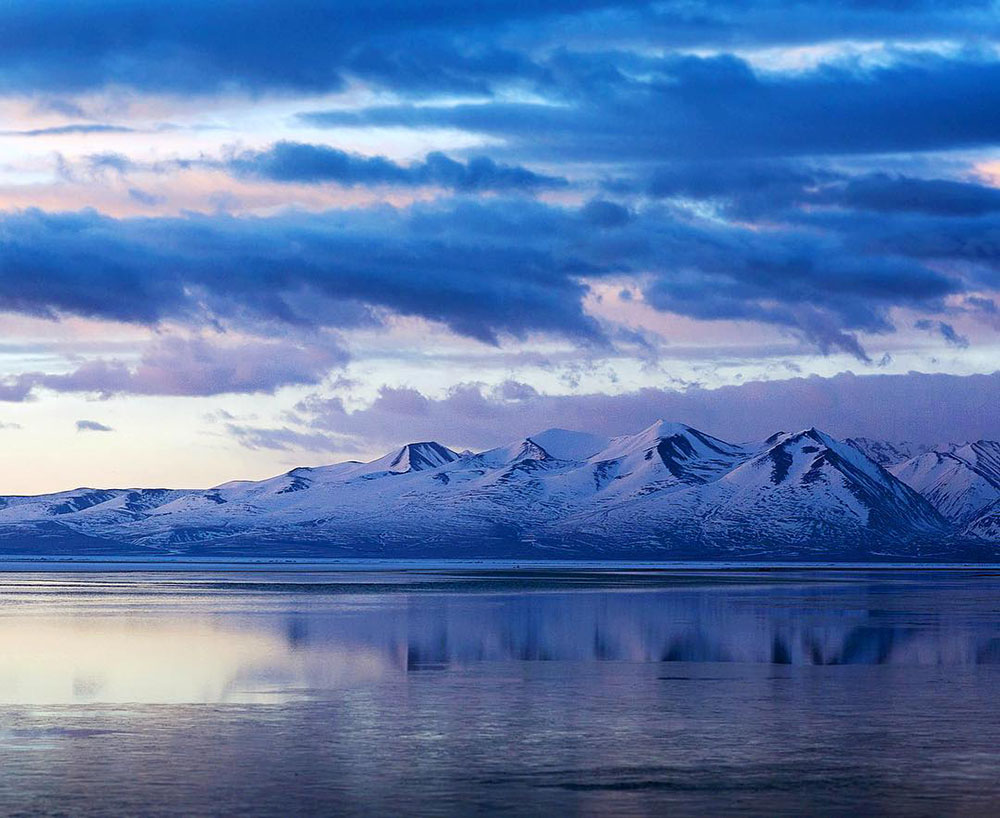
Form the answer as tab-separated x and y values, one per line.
16	564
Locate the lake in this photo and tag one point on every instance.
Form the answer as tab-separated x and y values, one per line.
531	691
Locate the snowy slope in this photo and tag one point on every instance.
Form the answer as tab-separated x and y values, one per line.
888	454
666	490
986	526
802	490
664	457
412	457
959	483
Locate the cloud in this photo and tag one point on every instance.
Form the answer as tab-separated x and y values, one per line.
741	187
110	161
92	426
193	367
985	310
196	367
15	390
63	130
985	305
145	198
493	268
446	46
946	331
732	23
254	45
602	213
443	263
619	106
666	151
928	408
945	197
286	439
757	189
314	164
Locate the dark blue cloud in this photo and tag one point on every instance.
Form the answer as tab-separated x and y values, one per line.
294	269
622	107
971	244
779	181
744	189
195	47
482	268
431	47
883	192
430	64
298	162
729	24
797	279
768	188
602	213
946	331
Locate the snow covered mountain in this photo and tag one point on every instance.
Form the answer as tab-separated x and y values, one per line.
798	494
960	481
667	492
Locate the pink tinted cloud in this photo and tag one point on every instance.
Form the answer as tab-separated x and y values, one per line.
192	367
196	190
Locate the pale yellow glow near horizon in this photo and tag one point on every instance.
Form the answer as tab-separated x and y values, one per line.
55	660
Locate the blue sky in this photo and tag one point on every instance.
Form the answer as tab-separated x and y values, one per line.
241	236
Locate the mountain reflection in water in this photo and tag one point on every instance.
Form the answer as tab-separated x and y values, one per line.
245	638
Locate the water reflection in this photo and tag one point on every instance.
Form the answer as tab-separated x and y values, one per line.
203	638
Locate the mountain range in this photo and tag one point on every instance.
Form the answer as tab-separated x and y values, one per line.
668	492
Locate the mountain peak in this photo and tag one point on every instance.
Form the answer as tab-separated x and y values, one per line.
426	454
664	428
807	454
810	470
815	435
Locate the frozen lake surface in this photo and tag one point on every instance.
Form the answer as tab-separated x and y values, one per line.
476	690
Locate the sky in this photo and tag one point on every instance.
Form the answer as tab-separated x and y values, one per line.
247	235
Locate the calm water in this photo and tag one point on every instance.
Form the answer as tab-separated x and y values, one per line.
527	692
